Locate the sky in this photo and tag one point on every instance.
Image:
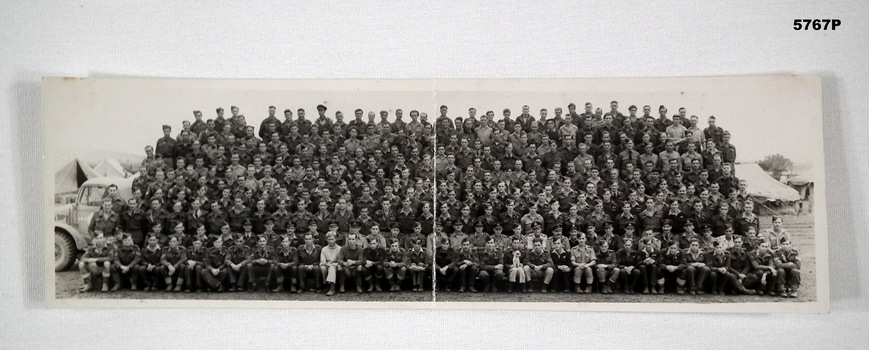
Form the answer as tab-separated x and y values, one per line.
764	115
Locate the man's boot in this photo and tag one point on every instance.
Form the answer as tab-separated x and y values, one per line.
178	285
116	278
331	291
105	285
280	286
168	281
88	284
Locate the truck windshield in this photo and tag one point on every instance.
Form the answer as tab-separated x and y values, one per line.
92	196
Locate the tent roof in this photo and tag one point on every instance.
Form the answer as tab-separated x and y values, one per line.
66	179
76	171
760	184
110	168
806	177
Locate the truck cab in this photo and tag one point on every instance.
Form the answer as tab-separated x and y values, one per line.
71	221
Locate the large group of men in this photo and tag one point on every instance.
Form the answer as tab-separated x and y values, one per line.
296	205
577	201
592	201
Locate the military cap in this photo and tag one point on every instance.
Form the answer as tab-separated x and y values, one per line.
321	107
667	222
630	225
247	222
478	224
458	223
394	225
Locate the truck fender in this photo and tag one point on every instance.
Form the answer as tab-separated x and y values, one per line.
81	242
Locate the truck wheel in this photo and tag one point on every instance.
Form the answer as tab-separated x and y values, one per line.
64	251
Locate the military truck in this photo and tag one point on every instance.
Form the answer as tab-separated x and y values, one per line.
71	221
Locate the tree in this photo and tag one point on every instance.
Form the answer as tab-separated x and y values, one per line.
776	164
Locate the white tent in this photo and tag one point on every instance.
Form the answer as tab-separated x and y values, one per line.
70	176
804	183
806	177
111	168
763	187
74	172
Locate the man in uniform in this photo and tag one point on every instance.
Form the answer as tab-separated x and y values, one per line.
215	271
375	262
417	263
97	259
261	264
166	147
237	259
538	265
196	257
466	262
173	259
672	266
395	266
607	268
352	259
491	264
152	268
696	270
763	263
583	259
285	264
787	261
309	263
126	263
444	260
105	221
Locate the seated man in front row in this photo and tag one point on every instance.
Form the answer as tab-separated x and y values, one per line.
97	260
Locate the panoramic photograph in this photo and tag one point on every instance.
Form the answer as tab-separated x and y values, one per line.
470	194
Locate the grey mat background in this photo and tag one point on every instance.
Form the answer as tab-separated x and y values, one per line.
379	39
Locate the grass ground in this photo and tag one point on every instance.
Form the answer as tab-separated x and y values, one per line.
801	227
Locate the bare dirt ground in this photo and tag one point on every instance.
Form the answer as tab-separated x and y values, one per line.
67	284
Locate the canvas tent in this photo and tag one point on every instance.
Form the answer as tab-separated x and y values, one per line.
771	195
72	175
804	183
111	168
79	168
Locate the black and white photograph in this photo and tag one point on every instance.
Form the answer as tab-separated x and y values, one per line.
236	193
691	191
657	194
